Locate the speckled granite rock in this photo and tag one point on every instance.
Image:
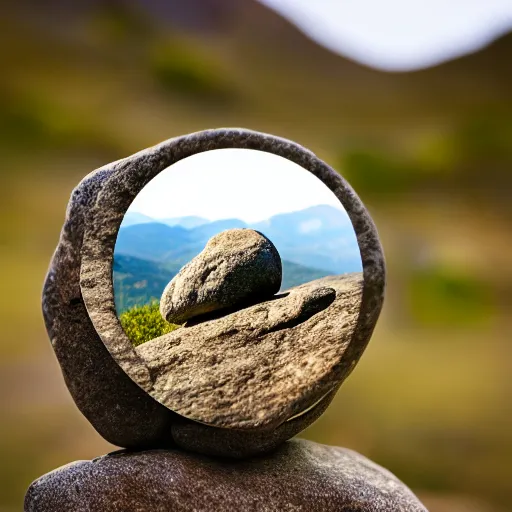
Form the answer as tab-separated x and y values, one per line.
255	368
299	476
236	268
107	378
240	444
121	411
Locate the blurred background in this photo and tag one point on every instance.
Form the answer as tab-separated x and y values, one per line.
412	104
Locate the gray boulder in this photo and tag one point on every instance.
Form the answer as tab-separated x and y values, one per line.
299	476
238	267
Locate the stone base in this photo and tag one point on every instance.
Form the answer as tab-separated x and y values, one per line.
298	476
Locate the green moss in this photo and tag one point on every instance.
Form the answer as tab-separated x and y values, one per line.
144	323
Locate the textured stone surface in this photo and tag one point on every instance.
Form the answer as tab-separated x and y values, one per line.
300	476
237	267
239	444
78	300
257	367
122	412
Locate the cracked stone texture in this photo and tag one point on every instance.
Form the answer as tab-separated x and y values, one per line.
237	267
299	476
104	374
259	366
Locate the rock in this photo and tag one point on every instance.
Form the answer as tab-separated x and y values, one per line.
108	380
240	444
120	410
300	475
256	368
238	267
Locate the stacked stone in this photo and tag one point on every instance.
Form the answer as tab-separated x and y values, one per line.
298	476
205	413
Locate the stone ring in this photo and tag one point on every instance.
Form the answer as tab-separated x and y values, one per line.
120	388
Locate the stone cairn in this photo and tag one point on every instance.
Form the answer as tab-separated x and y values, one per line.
205	414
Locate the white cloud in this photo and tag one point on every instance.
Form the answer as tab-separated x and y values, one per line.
232	183
399	34
310	225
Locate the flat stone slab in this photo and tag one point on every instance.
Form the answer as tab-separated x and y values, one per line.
299	476
257	367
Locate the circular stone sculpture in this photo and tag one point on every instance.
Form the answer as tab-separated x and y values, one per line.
309	342
237	266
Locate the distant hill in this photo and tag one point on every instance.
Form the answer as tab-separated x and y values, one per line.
203	233
313	243
132	218
279	49
318	237
294	274
138	281
154	241
188	222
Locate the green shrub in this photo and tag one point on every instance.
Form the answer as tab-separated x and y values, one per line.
143	323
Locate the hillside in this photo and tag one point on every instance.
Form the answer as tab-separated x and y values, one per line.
318	237
212	62
270	65
84	83
138	282
313	243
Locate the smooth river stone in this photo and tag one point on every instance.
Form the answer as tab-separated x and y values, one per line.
298	476
238	267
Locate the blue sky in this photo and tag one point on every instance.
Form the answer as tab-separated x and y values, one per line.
399	35
232	183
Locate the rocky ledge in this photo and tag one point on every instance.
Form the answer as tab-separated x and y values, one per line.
262	365
299	476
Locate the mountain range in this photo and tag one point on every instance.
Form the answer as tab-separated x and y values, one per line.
188	222
313	243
